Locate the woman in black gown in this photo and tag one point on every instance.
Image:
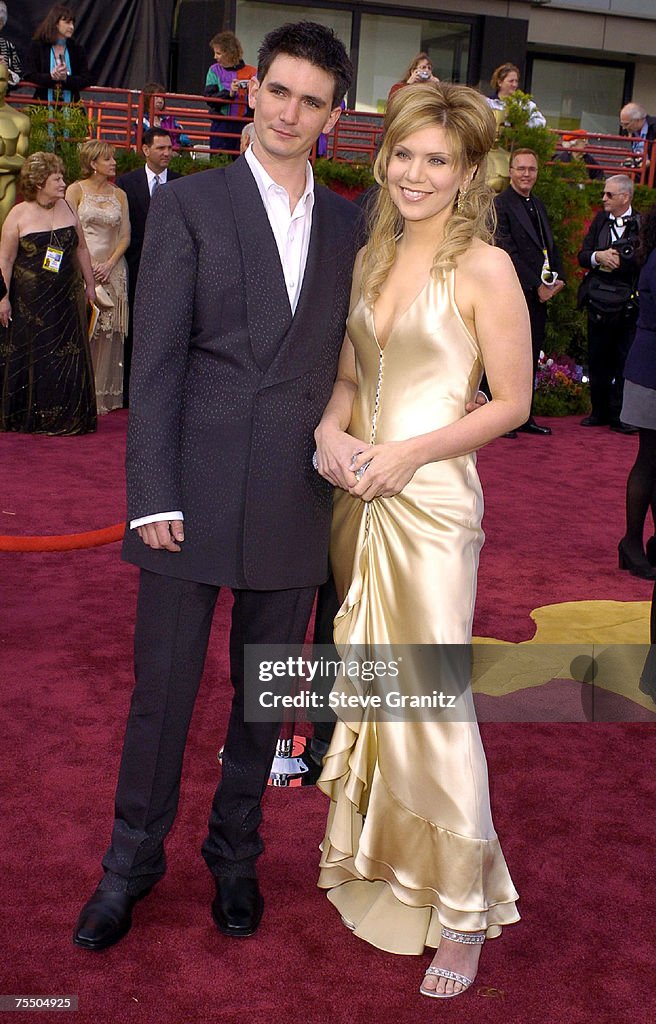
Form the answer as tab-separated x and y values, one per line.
46	376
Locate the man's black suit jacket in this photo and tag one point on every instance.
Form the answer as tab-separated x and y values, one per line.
516	233
599	237
135	186
227	386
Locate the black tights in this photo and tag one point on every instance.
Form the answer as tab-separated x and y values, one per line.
641	490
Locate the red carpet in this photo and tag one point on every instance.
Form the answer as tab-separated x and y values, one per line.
573	803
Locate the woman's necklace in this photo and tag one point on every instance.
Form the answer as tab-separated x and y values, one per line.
47	206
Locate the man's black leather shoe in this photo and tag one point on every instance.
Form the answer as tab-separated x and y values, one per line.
105	919
531	427
593	421
623	428
238	905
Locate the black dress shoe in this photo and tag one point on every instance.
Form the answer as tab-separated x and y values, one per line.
594	421
637	564
105	919
510	433
650	550
623	428
238	905
531	427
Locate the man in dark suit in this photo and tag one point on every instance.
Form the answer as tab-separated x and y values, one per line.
523	230
139	186
241	305
608	291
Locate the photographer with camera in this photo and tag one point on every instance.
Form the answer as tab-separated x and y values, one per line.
609	292
227	81
419	70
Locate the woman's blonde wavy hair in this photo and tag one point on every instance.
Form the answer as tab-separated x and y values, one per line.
94	149
471	129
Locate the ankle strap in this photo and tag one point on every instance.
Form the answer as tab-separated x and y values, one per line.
469	938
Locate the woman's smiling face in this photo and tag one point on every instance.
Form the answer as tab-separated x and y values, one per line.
423	175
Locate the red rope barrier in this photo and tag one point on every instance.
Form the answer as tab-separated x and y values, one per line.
65	541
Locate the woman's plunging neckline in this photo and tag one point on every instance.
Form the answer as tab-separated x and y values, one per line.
399	318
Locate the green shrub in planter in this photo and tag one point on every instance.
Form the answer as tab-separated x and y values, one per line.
60	129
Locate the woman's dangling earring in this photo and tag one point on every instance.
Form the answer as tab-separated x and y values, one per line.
460	202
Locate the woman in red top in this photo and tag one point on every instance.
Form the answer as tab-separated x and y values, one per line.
420	70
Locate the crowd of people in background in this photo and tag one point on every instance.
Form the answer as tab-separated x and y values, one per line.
111	218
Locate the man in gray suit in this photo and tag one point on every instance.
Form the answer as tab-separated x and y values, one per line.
241	304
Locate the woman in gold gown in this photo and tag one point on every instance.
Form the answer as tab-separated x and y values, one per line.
103	212
410	856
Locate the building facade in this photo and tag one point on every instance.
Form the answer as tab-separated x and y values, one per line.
581	59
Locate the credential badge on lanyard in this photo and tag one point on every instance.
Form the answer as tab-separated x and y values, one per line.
53	259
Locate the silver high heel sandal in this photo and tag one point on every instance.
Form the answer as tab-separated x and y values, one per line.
469	939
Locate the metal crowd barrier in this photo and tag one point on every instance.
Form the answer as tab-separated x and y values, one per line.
117	116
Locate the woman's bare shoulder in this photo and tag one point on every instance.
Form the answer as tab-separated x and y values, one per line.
484	261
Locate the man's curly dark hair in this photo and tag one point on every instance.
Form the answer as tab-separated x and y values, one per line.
306	40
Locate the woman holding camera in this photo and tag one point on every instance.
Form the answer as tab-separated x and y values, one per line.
57	64
227	80
420	70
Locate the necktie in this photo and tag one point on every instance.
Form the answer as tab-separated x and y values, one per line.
156	184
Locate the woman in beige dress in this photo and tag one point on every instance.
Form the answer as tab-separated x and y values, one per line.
103	212
410	856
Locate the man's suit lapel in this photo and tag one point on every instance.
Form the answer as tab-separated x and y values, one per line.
142	190
603	232
302	347
267	303
523	216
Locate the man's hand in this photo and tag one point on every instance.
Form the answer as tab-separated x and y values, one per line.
163	535
547	291
480	399
609	259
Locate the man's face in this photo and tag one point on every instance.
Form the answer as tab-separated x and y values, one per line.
158	156
523	173
615	201
293	105
633	125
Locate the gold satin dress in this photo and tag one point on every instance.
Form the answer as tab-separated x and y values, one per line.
410	843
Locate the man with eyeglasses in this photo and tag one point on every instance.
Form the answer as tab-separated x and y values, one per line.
635	121
608	291
523	230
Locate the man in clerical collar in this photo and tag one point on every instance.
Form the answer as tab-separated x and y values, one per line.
523	230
